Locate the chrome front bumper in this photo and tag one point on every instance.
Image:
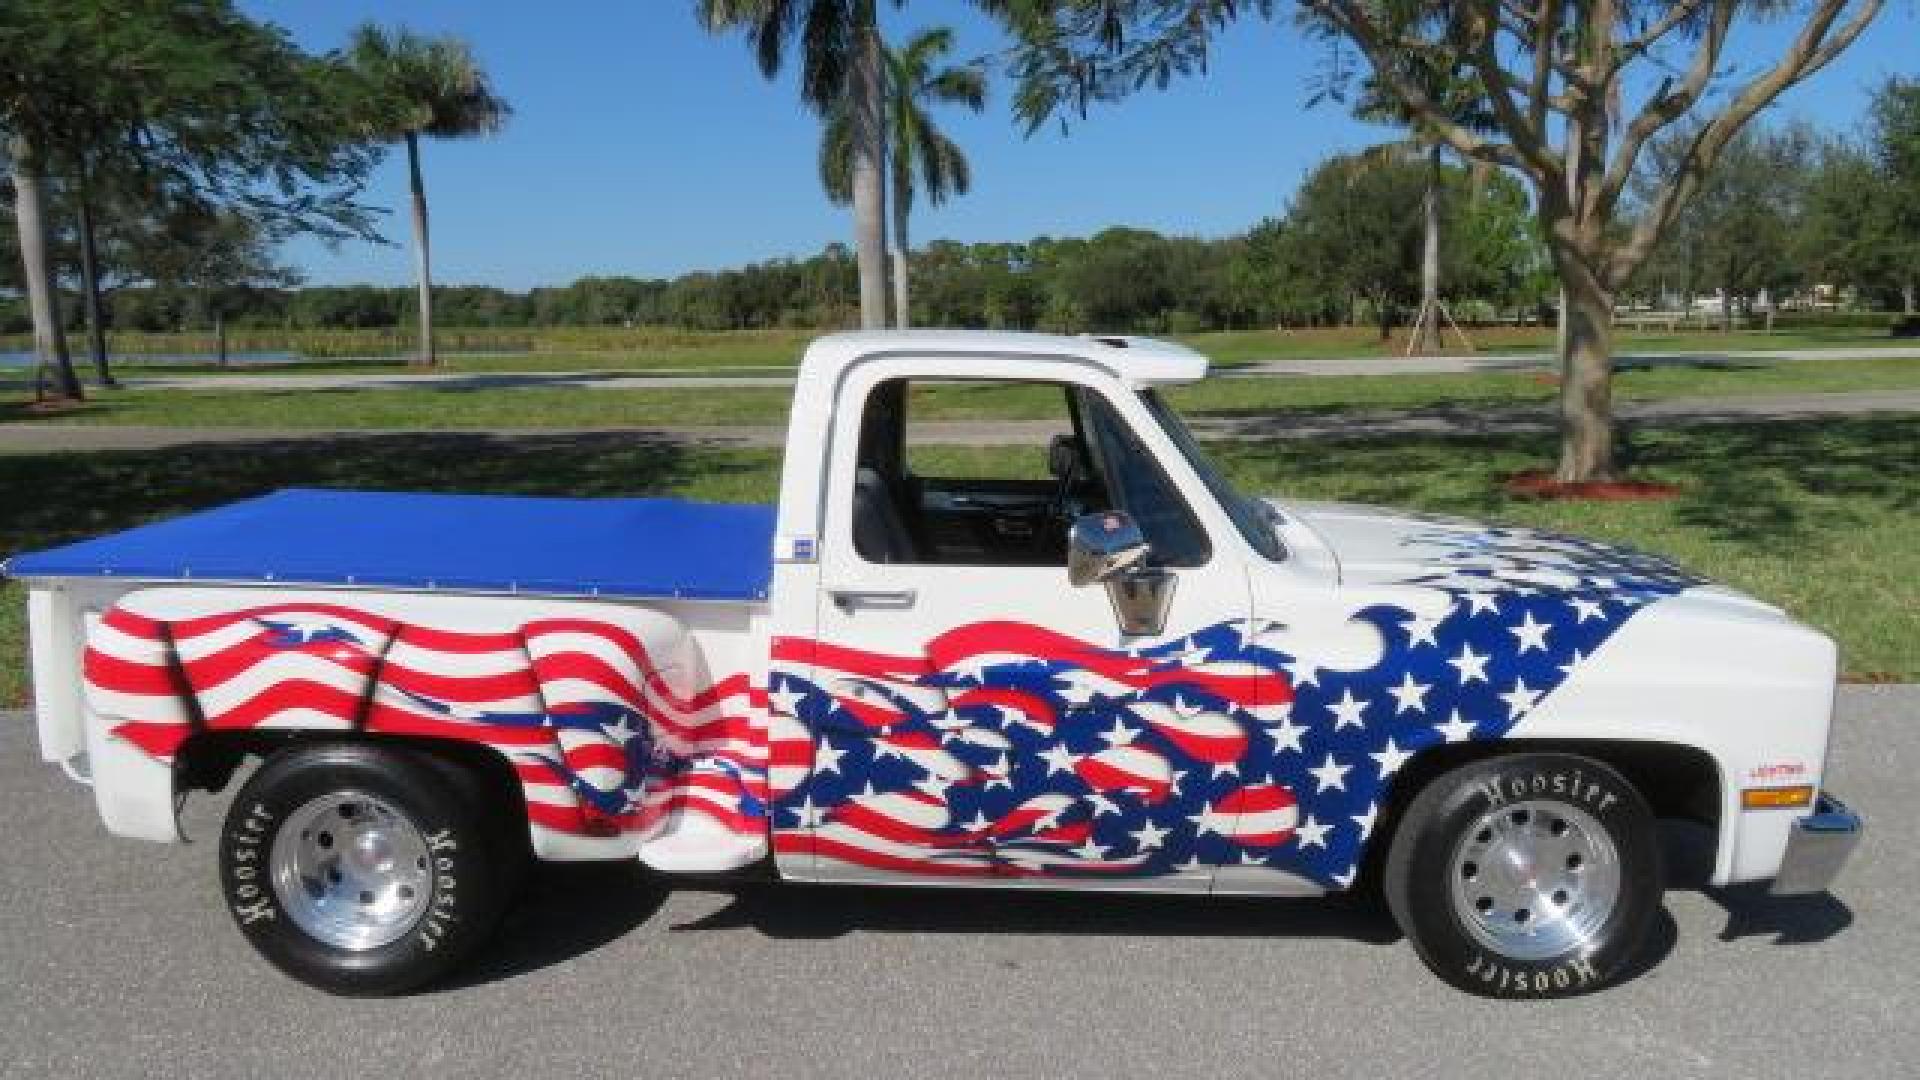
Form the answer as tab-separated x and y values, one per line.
1818	848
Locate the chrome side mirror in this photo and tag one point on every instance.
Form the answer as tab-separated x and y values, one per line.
1109	547
1103	546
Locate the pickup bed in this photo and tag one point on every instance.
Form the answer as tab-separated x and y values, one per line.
1104	670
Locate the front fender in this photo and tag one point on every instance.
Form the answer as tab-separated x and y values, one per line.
1750	688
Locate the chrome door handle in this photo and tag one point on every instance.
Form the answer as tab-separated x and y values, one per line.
854	599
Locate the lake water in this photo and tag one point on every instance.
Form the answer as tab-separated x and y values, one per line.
25	359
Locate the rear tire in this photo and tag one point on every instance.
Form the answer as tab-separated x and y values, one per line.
362	869
1528	875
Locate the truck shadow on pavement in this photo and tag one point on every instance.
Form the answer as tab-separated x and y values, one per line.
566	911
1751	911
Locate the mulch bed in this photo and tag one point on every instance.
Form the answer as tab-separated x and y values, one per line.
1539	484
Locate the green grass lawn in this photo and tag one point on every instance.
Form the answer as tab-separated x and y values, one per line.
612	349
572	407
1817	516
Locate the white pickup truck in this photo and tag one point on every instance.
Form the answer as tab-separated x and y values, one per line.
1107	670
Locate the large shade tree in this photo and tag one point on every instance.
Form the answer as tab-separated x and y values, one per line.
424	87
841	69
1577	89
920	156
193	100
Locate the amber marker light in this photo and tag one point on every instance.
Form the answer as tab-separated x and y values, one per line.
1776	798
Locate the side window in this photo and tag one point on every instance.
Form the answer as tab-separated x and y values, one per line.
1141	486
922	495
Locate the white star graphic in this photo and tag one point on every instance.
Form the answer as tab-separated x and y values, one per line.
980	823
1204	822
1529	634
1347	712
620	730
1585	609
1286	734
1478	602
826	758
1456	729
1090	850
1409	695
1573	662
1119	734
786	700
933	786
807	815
1471	665
1302	672
1101	804
1420	630
1179	777
1312	833
1079	688
1365	821
1343	879
1331	774
1520	699
1390	758
1058	758
1149	836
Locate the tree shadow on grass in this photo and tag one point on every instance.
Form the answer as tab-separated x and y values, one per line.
56	498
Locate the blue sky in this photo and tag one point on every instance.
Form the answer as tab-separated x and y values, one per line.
640	145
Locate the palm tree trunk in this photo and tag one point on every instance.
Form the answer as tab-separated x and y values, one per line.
869	186
90	285
423	262
1426	330
43	297
902	206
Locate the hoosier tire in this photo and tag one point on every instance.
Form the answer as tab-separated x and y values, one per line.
361	870
1526	876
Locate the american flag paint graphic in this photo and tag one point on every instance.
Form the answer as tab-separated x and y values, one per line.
1008	749
603	743
999	748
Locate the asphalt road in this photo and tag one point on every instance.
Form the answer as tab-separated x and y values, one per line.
118	961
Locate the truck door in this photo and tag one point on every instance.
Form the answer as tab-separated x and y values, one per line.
977	716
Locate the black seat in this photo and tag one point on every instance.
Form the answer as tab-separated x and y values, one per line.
879	534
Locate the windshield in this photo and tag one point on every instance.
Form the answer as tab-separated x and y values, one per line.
1254	518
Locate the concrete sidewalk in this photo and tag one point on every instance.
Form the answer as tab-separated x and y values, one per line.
18	439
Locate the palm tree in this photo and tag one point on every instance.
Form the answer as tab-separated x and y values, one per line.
53	358
424	86
840	69
919	154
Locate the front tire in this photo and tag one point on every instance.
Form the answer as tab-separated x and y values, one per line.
1527	875
360	869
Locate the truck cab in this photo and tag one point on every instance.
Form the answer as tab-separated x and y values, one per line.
1051	646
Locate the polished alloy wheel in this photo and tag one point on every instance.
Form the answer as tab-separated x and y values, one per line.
351	870
1535	879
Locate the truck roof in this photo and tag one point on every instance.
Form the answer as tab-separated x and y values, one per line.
1137	361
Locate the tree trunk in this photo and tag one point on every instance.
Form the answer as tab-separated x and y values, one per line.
902	205
220	337
1910	299
90	287
1586	380
43	295
1726	311
1426	328
869	179
423	262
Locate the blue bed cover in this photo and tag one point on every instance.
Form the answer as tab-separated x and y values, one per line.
640	548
